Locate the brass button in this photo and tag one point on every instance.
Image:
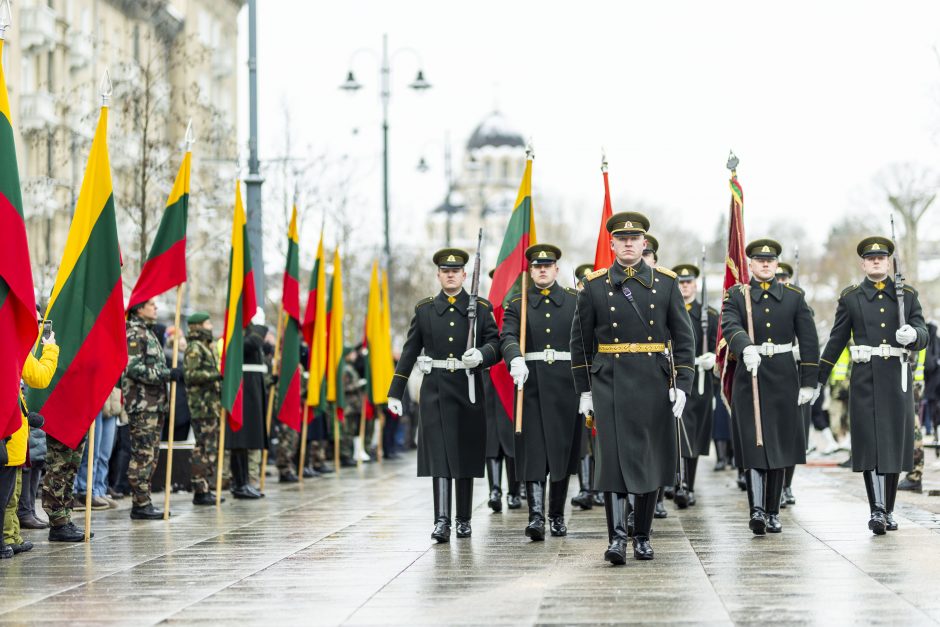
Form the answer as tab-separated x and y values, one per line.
882	324
613	308
880	296
652	306
657	280
615	325
548	315
654	291
616	339
548	330
450	355
610	293
450	339
765	296
768	324
451	324
617	355
650	338
651	323
545	301
451	309
882	310
548	346
767	310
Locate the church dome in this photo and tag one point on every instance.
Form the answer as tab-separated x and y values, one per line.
495	131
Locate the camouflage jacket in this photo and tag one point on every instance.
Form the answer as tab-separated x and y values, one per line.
201	373
146	376
353	389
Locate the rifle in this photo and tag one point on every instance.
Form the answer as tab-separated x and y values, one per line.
796	264
704	322
680	427
906	360
472	317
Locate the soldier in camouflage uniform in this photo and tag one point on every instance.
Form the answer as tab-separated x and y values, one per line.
202	376
353	384
58	481
145	400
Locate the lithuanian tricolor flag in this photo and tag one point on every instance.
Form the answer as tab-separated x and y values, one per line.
511	264
315	330
334	357
17	300
240	307
165	267
86	307
380	368
603	253
288	390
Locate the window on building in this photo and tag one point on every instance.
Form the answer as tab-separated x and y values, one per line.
507	173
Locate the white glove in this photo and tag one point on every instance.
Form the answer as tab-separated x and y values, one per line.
679	404
816	394
862	354
805	396
472	358
751	358
905	335
586	404
519	371
706	361
394	406
425	364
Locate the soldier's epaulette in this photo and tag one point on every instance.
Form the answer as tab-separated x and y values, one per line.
712	310
425	301
795	288
663	270
515	299
571	291
908	288
593	275
847	290
484	302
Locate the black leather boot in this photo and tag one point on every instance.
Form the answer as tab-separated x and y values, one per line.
645	506
681	496
441	531
742	479
891	494
513	497
494	474
584	498
615	508
787	497
598	498
691	468
875	488
146	512
660	509
535	496
557	494
241	488
68	533
464	500
721	454
775	481
755	498
631	515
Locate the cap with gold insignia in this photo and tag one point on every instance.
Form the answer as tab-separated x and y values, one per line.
686	272
542	254
784	270
451	258
197	317
652	245
763	249
875	245
583	269
627	223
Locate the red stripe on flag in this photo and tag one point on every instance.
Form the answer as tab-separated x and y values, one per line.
14	263
160	274
11	367
291	296
290	413
603	253
509	270
81	392
249	301
235	417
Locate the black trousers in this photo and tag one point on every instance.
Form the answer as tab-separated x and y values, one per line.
239	462
31	480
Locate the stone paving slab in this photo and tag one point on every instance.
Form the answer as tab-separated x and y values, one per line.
356	550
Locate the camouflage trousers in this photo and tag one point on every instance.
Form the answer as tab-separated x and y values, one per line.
145	430
205	451
61	467
288	442
918	472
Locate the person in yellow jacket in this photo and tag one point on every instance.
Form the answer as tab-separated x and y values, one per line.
37	373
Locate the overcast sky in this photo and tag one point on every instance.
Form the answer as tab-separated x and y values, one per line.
815	98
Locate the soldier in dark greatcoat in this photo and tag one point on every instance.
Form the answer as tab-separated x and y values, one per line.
452	427
627	315
881	396
549	443
780	317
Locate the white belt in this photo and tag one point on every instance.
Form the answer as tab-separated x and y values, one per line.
450	364
549	356
769	349
882	350
255	368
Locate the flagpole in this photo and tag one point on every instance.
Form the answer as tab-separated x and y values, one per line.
379	448
303	440
170	431
221	456
336	437
758	428
362	435
522	328
89	478
276	369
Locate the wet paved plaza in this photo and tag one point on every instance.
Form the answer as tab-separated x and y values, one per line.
356	550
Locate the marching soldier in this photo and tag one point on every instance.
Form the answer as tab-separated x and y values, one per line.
551	426
203	389
697	417
626	315
145	400
452	427
784	274
587	497
499	447
881	403
780	315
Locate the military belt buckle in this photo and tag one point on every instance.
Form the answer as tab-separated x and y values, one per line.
451	364
768	348
549	355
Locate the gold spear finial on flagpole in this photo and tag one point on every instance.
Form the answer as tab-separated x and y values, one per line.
529	151
189	138
6	17
603	159
105	89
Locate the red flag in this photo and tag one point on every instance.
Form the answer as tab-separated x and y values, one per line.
735	273
603	253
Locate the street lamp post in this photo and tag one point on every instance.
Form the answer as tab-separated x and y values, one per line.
351	85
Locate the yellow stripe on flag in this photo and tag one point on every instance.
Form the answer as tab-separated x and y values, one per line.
181	185
94	194
336	329
4	98
238	264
